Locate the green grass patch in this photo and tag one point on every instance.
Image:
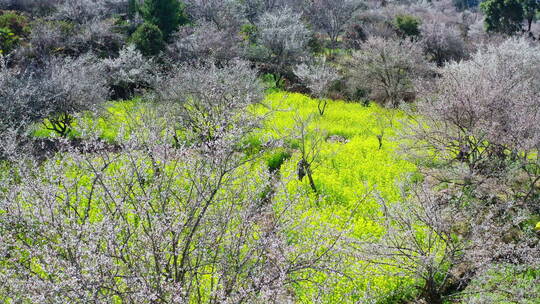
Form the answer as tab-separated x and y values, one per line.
345	172
107	124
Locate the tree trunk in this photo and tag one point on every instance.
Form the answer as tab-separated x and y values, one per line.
311	182
431	293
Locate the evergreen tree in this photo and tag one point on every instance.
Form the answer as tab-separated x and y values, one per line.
167	15
530	8
462	5
148	39
408	26
132	8
503	16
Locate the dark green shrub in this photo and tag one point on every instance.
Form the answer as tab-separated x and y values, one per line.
276	159
8	40
315	44
12	28
361	94
249	33
408	26
18	24
354	36
148	39
251	145
273	82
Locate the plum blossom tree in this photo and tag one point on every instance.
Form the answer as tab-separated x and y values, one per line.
419	241
62	87
284	38
388	69
83	10
129	73
205	41
488	102
209	101
52	38
331	16
318	77
253	9
35	7
222	13
442	43
479	119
